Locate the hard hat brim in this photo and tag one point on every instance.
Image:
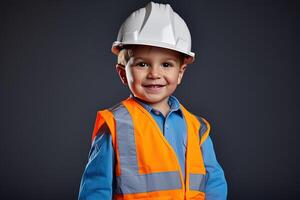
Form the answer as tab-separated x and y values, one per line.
117	46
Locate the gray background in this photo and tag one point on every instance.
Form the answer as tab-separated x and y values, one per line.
57	71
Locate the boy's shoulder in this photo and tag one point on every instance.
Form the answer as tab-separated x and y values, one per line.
204	124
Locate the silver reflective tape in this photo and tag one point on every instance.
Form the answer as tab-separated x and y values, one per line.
197	182
203	127
148	183
125	140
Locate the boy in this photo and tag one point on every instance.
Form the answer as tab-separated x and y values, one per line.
149	146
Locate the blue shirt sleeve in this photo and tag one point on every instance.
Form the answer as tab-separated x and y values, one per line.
97	179
216	186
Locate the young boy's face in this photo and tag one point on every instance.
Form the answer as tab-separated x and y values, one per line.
152	73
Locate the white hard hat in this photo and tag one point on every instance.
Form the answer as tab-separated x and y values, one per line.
155	25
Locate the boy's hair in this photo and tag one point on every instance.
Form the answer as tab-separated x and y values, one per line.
127	52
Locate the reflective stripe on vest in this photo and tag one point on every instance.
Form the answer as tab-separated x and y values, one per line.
204	129
130	181
197	182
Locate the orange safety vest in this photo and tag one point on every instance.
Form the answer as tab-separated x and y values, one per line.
146	165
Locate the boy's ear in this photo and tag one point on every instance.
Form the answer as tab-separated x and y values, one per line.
122	73
181	72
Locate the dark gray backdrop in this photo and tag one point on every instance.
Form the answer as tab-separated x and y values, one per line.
57	71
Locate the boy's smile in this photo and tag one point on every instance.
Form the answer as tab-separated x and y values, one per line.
153	73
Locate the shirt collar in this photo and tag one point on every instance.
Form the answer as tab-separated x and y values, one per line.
173	103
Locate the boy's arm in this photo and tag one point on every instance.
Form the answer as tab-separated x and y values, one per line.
97	179
216	186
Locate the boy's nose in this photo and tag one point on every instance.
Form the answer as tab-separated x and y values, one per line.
154	72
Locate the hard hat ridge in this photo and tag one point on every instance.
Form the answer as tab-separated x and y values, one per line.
158	15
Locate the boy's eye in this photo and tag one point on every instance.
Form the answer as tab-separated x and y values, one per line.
167	65
141	64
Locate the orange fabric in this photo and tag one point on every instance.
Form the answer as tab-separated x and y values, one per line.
150	143
155	154
196	195
107	117
98	123
194	160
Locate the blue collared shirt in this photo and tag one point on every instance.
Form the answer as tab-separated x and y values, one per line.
97	179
